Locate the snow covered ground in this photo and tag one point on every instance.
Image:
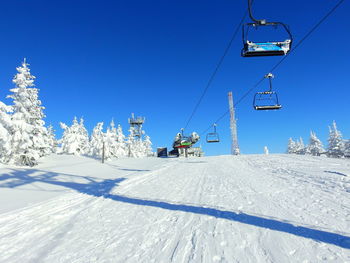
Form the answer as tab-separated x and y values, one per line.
249	208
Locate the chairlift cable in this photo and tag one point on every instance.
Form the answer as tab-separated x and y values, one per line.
217	68
280	61
307	35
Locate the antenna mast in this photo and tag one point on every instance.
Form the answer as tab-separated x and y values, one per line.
233	126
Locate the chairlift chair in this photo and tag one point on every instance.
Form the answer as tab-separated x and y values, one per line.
183	141
213	136
267	100
269	48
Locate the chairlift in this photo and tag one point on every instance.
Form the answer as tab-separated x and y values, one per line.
213	136
267	100
269	48
182	141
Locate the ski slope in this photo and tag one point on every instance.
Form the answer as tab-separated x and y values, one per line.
249	208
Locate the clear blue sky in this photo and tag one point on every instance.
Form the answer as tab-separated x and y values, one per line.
107	59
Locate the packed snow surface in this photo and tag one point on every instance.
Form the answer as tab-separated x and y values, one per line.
249	208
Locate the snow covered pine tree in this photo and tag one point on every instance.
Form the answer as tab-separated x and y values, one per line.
300	147
51	138
292	147
335	142
5	139
111	141
131	143
121	147
75	139
28	134
266	150
148	146
97	139
347	149
315	146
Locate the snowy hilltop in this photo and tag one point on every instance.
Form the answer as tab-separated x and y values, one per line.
254	208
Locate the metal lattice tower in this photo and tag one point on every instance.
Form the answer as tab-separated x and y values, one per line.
233	126
136	123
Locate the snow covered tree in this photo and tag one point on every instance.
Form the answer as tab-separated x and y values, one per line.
84	136
29	136
335	142
75	139
51	138
138	144
315	146
5	126
131	143
148	146
347	148
97	139
135	146
139	148
111	142
121	146
266	150
300	147
292	146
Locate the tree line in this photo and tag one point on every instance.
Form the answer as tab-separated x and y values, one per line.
337	146
24	137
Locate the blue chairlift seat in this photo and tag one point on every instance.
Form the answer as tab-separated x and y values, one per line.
265	48
252	49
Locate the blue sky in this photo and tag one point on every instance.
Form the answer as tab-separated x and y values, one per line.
107	59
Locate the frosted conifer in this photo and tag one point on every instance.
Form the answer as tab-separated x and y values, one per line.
28	133
121	146
5	126
266	150
136	147
315	146
335	142
84	136
51	138
131	143
300	147
347	148
292	146
75	139
147	146
139	148
97	139
111	141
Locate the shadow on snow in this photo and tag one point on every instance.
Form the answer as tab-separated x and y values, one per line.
333	172
102	188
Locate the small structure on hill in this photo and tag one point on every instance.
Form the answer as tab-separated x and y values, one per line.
193	151
136	123
162	152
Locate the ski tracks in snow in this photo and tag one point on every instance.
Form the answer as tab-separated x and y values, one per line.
168	214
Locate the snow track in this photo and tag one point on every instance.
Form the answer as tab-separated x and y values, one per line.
276	208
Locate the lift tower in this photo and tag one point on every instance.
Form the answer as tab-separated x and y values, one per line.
136	123
233	127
